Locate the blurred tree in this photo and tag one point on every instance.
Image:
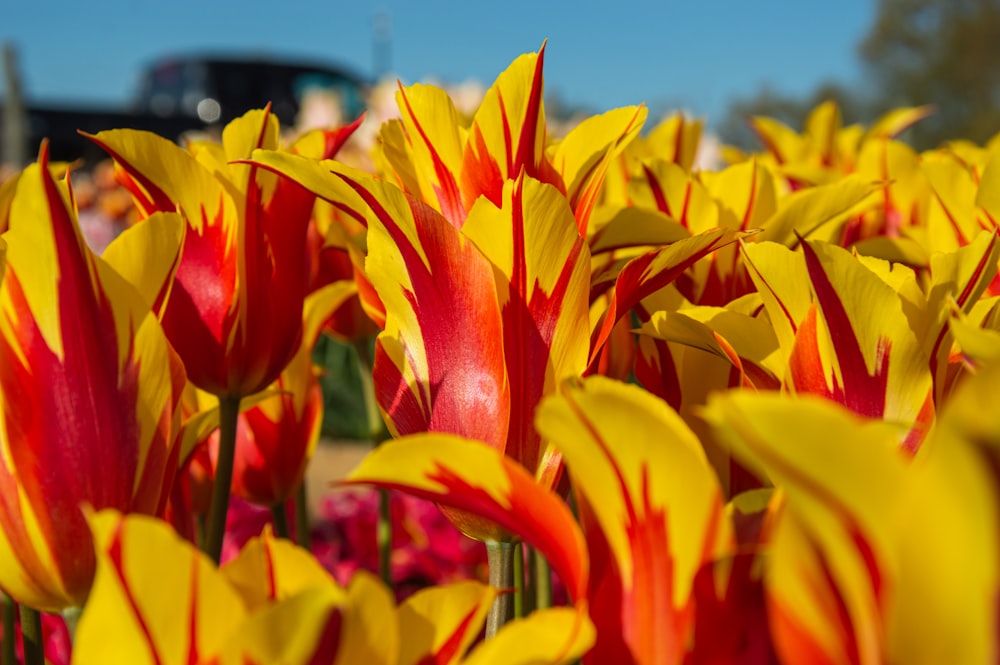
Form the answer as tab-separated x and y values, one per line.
734	128
940	52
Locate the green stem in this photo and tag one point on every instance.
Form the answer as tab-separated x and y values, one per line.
542	580
199	530
9	623
302	517
376	428
71	617
383	537
31	636
229	412
518	581
500	559
529	581
378	433
280	518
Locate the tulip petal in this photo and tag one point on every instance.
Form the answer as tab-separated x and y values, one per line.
322	144
832	564
670	189
304	629
555	635
806	210
877	359
743	341
270	569
472	477
440	357
369	633
586	153
650	272
508	133
651	507
635	226
160	173
543	280
895	122
439	623
958	280
946	603
89	379
147	255
431	151
155	599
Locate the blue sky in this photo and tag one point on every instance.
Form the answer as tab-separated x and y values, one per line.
695	55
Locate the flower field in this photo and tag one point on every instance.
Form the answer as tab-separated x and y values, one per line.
681	414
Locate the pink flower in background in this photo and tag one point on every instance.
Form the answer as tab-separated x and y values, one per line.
427	549
55	638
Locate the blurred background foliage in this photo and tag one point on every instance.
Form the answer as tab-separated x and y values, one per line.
345	414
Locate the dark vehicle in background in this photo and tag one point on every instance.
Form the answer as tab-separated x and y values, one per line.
188	93
218	89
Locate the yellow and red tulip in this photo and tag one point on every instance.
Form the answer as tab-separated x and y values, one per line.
498	496
235	310
448	166
158	600
277	435
843	329
651	509
875	556
91	392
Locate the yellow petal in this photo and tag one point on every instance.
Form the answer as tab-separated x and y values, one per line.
555	635
441	622
156	599
270	569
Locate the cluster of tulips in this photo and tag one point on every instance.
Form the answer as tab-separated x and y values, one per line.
735	416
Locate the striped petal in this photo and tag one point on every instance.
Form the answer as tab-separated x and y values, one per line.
147	254
268	570
805	211
853	343
508	133
497	495
162	176
582	158
555	635
156	599
246	236
440	358
946	607
305	629
648	273
958	280
651	508
321	624
437	625
832	563
543	277
428	157
672	190
743	341
87	378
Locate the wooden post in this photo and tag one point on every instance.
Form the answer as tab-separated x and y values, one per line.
15	116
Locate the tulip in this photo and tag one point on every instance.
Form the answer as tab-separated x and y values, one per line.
91	390
235	311
158	600
875	556
245	240
651	510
